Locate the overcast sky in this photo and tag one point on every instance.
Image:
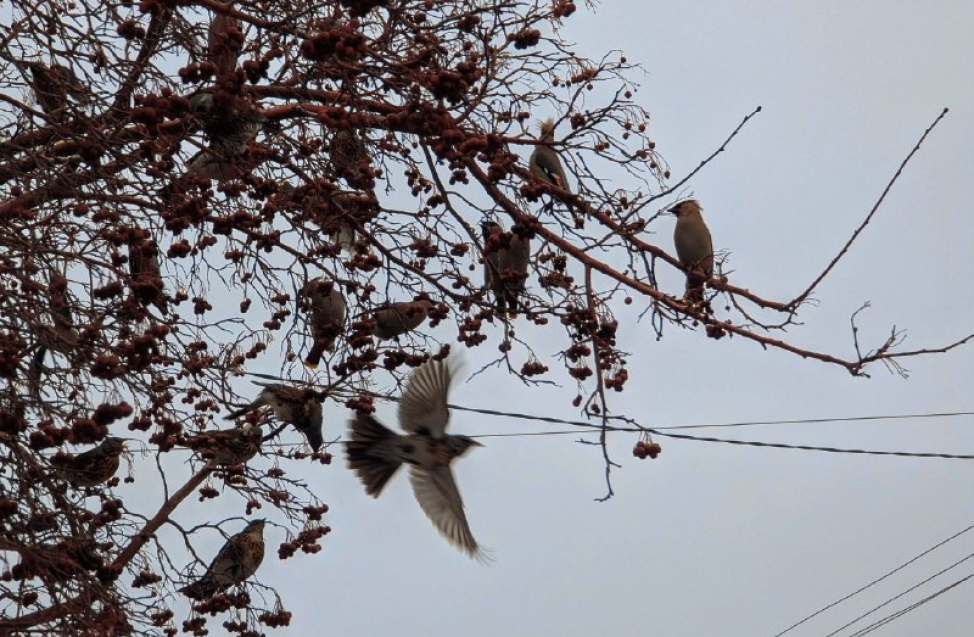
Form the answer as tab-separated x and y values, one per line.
714	539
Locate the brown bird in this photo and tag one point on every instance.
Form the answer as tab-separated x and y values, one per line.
395	319
350	159
146	280
375	453
92	467
326	305
229	446
53	84
296	406
506	261
239	559
544	161
694	247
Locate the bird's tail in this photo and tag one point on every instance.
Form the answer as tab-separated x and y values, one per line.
204	588
318	347
374	468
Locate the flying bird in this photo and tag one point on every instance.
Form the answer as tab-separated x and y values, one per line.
237	560
92	467
326	305
694	247
296	406
506	261
375	453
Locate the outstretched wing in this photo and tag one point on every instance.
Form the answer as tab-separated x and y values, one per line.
438	496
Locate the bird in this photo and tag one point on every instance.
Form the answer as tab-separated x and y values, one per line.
61	335
326	305
544	161
506	260
92	467
239	558
694	247
229	446
375	452
146	280
350	159
296	406
53	84
395	319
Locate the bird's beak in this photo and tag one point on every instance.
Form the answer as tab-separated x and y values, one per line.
477	444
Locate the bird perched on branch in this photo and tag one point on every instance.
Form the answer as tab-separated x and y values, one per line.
694	247
506	260
350	159
296	406
236	562
92	467
395	319
61	335
228	446
544	161
326	305
146	280
375	453
53	84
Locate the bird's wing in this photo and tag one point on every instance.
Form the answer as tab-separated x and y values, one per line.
423	403
440	500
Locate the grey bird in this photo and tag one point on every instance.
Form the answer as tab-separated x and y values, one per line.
92	467
238	560
53	84
326	306
375	453
395	319
544	161
296	406
146	280
506	261
694	247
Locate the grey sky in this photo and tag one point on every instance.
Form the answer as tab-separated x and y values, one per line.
713	539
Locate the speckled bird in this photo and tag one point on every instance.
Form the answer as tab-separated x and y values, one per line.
93	467
235	563
296	406
375	452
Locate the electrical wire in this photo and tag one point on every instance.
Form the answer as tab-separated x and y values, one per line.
877	581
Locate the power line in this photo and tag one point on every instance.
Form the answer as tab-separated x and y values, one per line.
877	581
667	432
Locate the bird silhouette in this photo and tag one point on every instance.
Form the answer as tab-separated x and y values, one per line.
375	452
